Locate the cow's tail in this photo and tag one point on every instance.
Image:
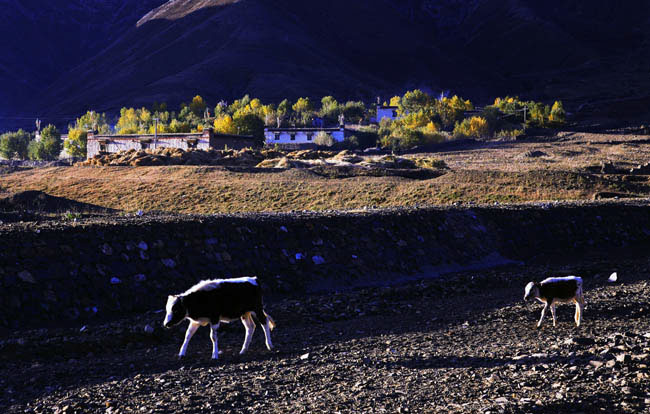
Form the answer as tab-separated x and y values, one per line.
271	321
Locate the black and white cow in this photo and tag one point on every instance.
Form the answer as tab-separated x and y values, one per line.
211	302
557	290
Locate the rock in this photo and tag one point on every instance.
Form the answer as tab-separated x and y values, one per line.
140	277
318	260
583	341
143	246
612	278
148	329
304	356
623	358
27	277
596	364
115	281
611	363
501	400
169	263
107	249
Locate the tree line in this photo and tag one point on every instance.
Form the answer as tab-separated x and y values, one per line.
421	119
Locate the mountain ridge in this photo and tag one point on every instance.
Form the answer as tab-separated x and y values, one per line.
114	53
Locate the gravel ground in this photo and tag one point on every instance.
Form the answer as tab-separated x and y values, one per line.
466	343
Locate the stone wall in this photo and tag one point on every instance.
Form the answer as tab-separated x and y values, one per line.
56	272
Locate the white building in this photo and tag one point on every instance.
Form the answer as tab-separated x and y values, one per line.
300	136
389	112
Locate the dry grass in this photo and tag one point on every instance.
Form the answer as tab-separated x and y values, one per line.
503	172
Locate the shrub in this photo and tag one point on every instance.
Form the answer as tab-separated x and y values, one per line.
429	162
75	145
351	142
474	127
367	137
14	144
323	139
509	133
558	115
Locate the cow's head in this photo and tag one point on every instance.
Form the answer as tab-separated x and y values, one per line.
176	311
532	291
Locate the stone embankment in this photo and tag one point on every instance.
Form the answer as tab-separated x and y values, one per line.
55	272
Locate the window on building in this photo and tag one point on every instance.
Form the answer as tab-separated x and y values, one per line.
192	143
310	135
145	145
277	137
293	137
103	147
394	114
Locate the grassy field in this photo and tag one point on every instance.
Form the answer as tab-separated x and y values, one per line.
532	170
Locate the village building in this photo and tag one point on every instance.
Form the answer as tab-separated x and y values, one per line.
106	144
385	111
300	137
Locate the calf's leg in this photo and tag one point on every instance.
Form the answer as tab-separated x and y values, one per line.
213	337
553	313
543	313
191	329
249	324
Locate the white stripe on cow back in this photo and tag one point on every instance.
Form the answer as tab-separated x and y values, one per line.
215	283
578	279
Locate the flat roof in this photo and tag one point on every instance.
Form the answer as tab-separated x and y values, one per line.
303	129
168	136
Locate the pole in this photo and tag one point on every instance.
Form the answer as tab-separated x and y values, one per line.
155	134
525	108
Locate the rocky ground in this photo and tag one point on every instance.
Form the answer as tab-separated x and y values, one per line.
465	343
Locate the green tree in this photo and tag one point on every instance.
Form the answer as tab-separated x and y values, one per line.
302	105
354	111
76	143
197	106
330	109
413	101
92	120
48	147
284	108
14	144
250	124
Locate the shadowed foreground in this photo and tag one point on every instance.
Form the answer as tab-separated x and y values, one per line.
465	345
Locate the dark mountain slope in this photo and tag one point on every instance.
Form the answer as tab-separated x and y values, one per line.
274	50
568	49
41	40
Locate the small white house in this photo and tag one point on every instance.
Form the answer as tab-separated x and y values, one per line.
389	112
300	136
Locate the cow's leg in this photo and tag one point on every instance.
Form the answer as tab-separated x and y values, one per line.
267	334
543	313
191	329
249	324
580	307
553	313
213	336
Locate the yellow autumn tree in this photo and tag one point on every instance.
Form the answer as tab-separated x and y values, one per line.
225	125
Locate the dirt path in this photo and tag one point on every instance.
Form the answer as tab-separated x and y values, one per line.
467	344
